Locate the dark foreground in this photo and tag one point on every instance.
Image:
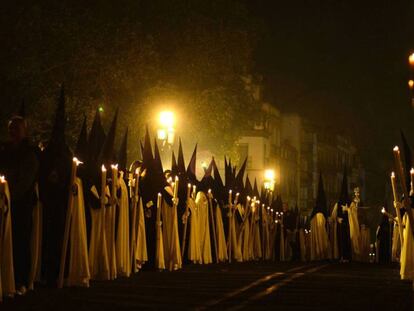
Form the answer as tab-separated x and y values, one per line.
248	286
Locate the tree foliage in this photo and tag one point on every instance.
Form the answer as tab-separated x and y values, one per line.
132	55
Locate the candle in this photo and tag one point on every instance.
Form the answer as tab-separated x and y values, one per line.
230	197
114	179
237	198
2	184
176	187
103	184
188	190
399	167
159	198
394	187
209	193
412	181
194	190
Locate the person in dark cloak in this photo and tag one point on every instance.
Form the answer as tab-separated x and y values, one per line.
54	180
383	244
19	163
344	235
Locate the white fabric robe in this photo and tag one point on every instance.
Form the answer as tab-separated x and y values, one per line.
171	238
204	227
98	252
36	243
407	252
221	237
318	238
354	231
194	245
78	273
333	233
7	284
123	256
141	253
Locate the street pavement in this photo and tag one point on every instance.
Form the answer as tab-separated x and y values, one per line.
243	286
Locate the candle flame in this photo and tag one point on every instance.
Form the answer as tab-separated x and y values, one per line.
2	179
396	149
412	171
383	210
137	171
209	191
189	185
230	191
159	194
114	167
237	194
77	161
176	178
103	168
392	175
271	210
248	198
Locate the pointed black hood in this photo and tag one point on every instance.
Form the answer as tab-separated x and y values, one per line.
180	163
407	160
344	198
256	190
239	187
123	152
207	182
248	187
218	190
96	139
320	206
107	154
147	158
58	131
81	150
191	169
157	159
174	166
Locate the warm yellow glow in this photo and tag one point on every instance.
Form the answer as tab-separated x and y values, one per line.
392	175
411	84
396	149
167	119
2	179
411	59
77	162
103	168
162	134
269	175
383	210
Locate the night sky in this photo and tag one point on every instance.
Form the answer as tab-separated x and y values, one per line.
344	64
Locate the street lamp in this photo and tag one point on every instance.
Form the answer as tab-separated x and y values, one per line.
411	59
166	131
269	179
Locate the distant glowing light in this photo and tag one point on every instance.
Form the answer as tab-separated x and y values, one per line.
101	109
167	119
411	84
411	59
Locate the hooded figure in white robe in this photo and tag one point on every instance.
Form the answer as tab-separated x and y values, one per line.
319	238
7	284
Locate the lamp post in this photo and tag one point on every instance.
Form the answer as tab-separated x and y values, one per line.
269	179
166	130
411	81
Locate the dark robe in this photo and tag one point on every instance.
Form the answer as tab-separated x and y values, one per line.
20	165
54	179
384	241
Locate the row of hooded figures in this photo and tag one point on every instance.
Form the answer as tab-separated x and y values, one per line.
89	217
